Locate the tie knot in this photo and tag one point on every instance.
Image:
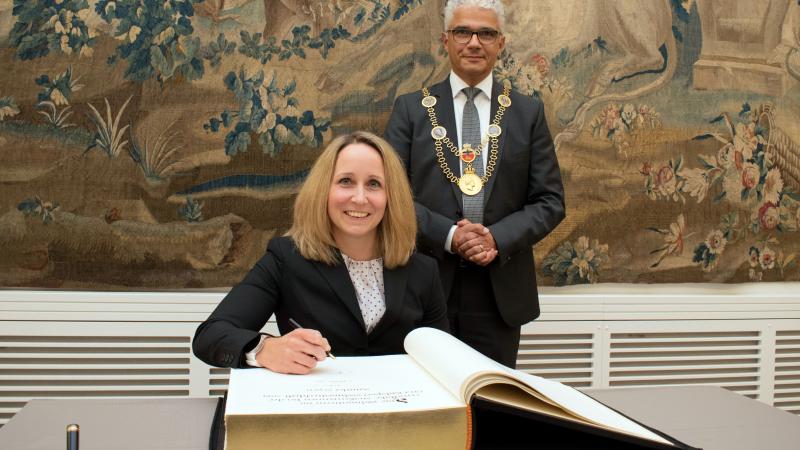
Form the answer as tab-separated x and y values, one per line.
470	92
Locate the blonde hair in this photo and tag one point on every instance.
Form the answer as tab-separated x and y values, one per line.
311	228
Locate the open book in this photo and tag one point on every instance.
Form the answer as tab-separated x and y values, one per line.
416	401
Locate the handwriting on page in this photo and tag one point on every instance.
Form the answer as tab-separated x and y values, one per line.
345	396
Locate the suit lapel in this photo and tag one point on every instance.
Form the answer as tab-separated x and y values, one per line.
447	118
394	288
497	89
339	280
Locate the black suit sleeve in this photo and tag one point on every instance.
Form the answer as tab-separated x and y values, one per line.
433	227
232	329
544	207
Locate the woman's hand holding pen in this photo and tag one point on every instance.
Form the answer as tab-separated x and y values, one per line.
296	352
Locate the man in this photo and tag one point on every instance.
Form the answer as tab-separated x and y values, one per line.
486	182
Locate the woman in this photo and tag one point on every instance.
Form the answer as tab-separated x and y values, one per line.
345	270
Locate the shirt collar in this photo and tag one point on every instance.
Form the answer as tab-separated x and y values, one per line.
457	84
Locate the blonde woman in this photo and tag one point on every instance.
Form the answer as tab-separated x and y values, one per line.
346	271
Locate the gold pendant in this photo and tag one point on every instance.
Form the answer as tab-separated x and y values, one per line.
429	101
494	130
467	154
504	100
469	183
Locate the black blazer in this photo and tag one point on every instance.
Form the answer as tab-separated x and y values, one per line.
322	297
524	198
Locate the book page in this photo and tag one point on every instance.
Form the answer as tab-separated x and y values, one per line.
378	384
464	371
583	406
449	360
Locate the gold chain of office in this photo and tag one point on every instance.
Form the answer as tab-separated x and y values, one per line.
469	182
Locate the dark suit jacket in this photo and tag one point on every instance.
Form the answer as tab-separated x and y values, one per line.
322	297
524	198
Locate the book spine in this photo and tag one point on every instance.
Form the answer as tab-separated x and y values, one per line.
469	427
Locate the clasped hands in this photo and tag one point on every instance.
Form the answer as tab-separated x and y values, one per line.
296	352
474	242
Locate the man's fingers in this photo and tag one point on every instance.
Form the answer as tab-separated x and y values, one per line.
484	258
473	228
474	251
481	242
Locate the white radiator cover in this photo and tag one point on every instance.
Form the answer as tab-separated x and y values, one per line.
746	338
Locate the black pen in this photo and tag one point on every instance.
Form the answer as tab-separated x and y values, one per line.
294	323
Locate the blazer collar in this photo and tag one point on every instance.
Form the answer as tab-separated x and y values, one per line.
394	287
339	280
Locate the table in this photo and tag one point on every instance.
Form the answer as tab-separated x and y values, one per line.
708	417
703	416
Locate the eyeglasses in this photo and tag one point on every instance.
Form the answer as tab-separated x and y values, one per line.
464	35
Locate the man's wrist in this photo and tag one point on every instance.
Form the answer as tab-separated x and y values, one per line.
448	243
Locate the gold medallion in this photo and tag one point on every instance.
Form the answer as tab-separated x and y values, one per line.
438	132
429	101
494	130
504	100
469	183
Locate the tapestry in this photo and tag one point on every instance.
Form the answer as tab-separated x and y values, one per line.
159	144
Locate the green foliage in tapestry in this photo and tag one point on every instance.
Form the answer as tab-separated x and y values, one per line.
59	89
45	26
192	210
361	26
215	49
156	38
577	263
154	157
108	133
253	47
268	112
54	117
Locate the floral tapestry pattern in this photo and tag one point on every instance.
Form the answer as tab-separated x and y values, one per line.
151	144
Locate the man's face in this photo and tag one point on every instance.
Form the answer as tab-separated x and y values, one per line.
473	60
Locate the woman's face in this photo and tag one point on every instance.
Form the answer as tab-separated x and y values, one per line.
357	198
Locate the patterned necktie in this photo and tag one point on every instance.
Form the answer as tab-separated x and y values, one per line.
471	134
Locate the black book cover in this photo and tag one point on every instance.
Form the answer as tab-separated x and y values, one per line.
498	426
216	436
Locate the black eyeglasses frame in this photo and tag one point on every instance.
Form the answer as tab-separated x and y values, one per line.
485	35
